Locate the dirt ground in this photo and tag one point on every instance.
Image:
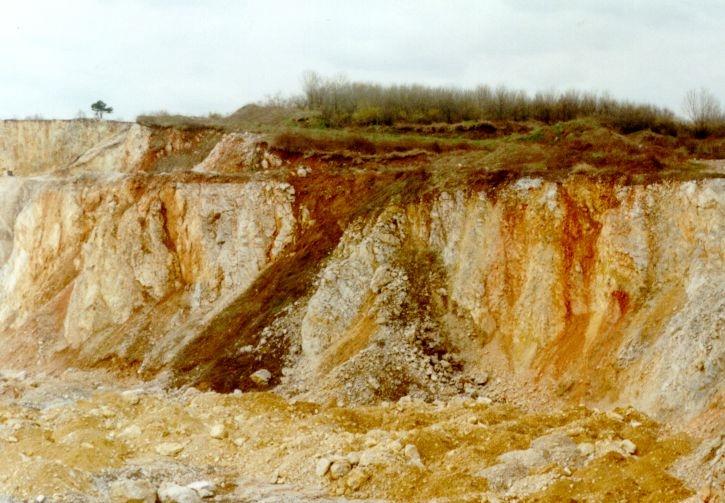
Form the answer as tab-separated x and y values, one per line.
82	436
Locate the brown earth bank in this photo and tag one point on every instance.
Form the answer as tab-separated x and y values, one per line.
476	306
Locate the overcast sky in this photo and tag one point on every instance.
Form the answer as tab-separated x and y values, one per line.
195	57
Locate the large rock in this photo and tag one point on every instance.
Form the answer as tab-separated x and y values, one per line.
132	491
173	493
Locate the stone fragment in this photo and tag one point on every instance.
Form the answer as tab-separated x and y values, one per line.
261	377
615	415
132	396
481	378
130	432
275	477
217	431
585	448
357	478
339	468
411	452
106	412
321	467
368	457
628	446
169	448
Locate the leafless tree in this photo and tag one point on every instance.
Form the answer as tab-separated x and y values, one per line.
702	108
341	102
312	84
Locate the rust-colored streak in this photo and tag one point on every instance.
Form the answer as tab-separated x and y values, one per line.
622	299
583	202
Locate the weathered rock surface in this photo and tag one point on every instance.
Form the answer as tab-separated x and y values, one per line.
41	147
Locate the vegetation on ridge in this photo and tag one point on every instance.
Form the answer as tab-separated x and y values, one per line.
361	122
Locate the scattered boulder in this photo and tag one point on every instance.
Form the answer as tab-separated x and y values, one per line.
172	493
501	476
553	441
132	491
559	448
622	447
204	488
528	458
531	484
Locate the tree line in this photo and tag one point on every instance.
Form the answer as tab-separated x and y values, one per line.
341	102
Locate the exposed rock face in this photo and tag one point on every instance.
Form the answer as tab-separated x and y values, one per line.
601	285
103	254
595	290
42	147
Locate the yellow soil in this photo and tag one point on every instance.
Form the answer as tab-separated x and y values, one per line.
62	449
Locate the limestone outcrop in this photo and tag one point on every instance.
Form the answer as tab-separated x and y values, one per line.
357	286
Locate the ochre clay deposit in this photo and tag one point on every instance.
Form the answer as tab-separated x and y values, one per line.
495	309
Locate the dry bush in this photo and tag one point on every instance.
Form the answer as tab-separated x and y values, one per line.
704	111
343	103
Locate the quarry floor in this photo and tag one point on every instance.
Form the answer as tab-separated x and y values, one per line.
85	436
